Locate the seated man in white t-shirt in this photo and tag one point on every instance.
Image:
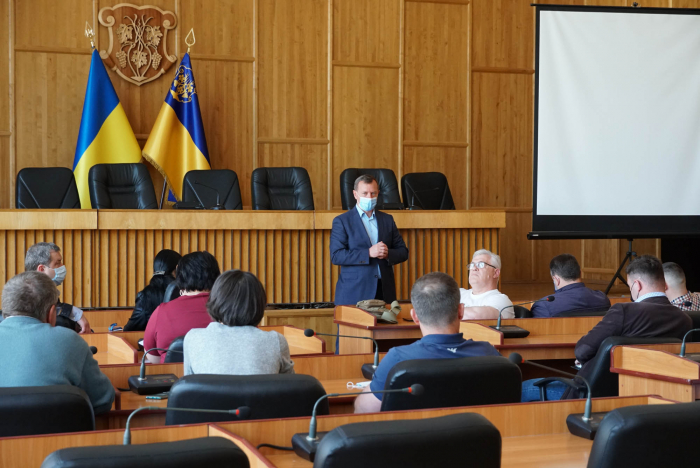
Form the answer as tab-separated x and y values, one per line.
484	300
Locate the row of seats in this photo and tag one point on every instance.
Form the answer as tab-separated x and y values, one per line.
129	186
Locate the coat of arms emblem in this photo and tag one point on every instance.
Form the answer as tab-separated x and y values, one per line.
138	49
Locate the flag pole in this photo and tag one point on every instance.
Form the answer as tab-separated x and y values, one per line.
162	194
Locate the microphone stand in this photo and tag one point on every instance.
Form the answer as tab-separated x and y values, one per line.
367	369
513	331
218	205
413	198
693	357
158	383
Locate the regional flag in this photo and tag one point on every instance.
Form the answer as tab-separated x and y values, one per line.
105	134
177	144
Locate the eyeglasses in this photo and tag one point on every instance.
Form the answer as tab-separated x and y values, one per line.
475	265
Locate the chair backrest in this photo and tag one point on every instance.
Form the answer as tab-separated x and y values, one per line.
647	436
121	186
388	186
224	181
44	410
427	190
695	317
171	292
453	382
443	441
282	188
267	396
603	382
212	452
176	345
46	188
522	312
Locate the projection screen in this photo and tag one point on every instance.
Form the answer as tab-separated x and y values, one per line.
617	123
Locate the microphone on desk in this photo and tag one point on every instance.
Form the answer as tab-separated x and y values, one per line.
93	349
218	205
305	445
242	412
367	369
158	383
581	425
682	353
413	198
512	331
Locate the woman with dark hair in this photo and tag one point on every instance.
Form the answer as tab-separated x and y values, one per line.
232	343
196	274
153	295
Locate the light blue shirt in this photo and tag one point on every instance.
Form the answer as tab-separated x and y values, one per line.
370	223
648	295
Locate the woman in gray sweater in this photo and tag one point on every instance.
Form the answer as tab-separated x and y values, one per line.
232	343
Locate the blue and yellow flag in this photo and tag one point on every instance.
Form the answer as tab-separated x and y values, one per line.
105	134
177	144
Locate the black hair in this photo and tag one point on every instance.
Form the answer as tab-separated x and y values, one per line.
166	261
566	267
237	299
197	271
435	298
648	268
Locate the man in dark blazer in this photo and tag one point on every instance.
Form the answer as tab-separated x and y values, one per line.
366	244
650	315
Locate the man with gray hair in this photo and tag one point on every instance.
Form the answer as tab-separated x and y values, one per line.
46	258
484	300
676	290
437	311
39	354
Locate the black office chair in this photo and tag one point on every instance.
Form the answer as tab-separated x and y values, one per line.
267	396
46	188
26	411
176	345
453	382
426	191
522	312
212	452
121	186
695	317
171	292
389	197
466	439
647	436
223	181
282	188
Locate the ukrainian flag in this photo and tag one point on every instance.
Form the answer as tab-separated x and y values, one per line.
177	144
105	134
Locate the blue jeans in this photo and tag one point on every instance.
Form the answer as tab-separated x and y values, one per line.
530	392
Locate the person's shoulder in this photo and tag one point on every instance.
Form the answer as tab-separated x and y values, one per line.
484	348
61	336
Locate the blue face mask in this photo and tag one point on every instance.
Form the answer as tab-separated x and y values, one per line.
59	275
367	204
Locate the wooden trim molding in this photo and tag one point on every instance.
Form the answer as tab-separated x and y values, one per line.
514	71
53	50
296	141
348	63
436	144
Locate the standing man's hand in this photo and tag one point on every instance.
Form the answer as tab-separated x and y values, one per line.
84	325
379	250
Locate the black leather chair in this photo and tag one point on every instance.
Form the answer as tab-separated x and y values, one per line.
121	186
28	411
212	452
427	191
647	436
448	383
176	350
224	181
522	312
389	197
695	316
282	188
267	396
171	292
46	188
466	439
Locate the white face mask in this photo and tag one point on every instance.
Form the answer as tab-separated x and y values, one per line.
367	204
59	274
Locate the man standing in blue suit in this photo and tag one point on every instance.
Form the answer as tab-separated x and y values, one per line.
366	244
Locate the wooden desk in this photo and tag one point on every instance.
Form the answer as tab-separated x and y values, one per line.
658	368
111	349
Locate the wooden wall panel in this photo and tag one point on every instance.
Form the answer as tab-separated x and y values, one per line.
4	76
450	161
293	73
365	109
52	25
545	250
516	251
503	34
5	173
366	31
223	28
436	72
685	3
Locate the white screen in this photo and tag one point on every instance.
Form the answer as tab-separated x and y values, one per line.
618	127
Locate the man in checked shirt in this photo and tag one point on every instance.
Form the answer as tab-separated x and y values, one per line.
676	290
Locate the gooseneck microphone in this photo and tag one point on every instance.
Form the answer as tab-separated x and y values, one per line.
242	412
413	198
513	331
366	373
154	383
305	445
582	425
682	353
218	205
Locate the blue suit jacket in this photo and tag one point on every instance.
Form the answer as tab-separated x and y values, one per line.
350	246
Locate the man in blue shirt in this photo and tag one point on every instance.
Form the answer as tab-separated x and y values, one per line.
570	292
437	310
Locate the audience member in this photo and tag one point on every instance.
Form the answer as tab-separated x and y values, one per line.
38	354
650	315
437	310
484	300
153	295
569	291
676	290
232	343
45	257
196	274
